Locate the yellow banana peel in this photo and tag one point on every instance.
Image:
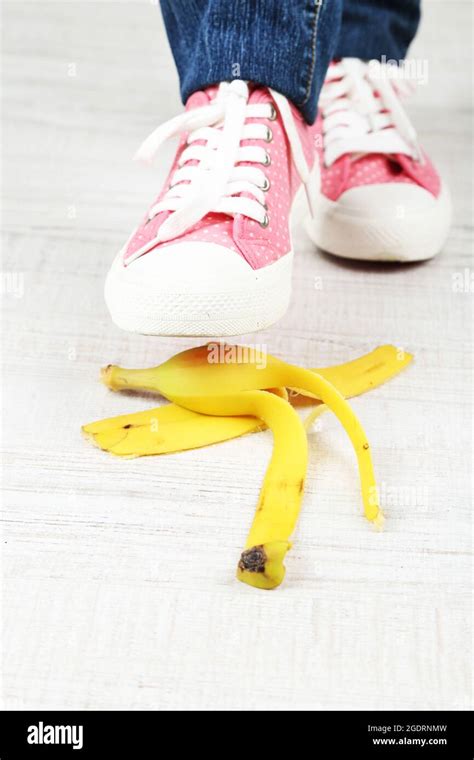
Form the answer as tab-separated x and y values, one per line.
168	429
214	400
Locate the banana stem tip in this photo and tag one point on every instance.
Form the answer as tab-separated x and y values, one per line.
106	375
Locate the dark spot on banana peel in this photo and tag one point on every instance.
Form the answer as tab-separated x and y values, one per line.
373	368
127	427
365	446
301	486
253	560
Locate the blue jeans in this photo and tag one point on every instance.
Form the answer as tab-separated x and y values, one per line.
284	44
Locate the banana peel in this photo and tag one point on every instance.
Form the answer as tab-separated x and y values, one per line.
168	429
199	416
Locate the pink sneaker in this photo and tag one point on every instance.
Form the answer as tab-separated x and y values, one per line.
213	254
381	199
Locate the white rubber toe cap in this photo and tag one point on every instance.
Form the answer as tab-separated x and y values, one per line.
395	200
192	267
196	288
386	222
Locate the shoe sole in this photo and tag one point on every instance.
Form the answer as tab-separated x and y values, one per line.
413	237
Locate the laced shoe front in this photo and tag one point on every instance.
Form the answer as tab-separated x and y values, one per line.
380	196
212	255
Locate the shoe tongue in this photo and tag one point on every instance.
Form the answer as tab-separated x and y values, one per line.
211	92
377	167
257	94
201	98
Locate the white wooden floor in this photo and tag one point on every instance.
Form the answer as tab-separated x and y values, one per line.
119	587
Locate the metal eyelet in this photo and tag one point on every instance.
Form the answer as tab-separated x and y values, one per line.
266	221
269	135
266	185
268	159
273	113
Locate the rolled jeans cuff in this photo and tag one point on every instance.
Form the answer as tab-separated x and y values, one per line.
283	45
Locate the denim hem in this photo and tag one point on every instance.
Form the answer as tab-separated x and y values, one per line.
372	50
283	44
275	82
376	29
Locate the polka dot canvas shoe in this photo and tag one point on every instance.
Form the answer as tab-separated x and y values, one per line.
380	197
213	254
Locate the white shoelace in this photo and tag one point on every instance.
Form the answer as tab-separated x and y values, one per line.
356	121
215	180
